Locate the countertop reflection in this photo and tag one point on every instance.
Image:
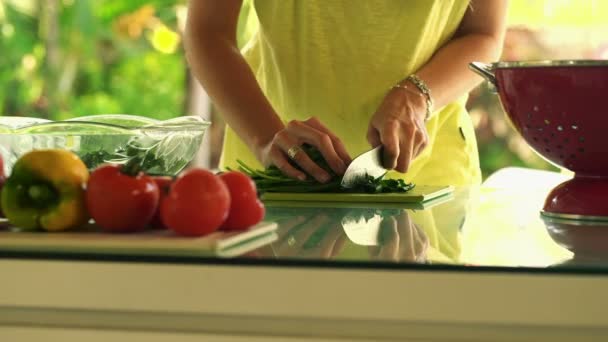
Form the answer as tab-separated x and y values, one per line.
477	226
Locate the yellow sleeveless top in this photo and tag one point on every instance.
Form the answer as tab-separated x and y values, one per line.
337	59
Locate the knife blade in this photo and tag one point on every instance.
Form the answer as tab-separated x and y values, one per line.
368	163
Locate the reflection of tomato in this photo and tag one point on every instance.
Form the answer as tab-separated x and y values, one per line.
163	183
197	204
245	207
119	202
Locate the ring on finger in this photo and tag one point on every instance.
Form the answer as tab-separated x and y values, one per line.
293	151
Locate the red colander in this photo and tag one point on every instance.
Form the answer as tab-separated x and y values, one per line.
559	108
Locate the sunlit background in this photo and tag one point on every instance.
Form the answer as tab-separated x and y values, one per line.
65	58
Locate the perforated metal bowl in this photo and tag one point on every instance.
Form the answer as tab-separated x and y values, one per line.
559	108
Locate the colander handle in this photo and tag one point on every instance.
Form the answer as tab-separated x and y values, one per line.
484	70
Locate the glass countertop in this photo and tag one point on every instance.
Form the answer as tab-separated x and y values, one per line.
480	228
473	227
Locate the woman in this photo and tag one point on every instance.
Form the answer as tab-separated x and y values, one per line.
346	75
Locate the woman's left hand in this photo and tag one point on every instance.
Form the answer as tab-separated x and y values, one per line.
398	125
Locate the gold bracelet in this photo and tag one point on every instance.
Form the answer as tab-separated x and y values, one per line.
425	91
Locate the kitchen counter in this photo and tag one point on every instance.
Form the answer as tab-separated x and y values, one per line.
479	264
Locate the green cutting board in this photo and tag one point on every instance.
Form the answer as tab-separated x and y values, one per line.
420	193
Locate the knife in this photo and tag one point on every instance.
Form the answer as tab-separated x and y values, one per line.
368	163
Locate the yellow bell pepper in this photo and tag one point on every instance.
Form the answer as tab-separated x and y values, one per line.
46	191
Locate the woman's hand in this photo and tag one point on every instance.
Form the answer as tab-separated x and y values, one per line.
310	237
398	125
285	146
400	240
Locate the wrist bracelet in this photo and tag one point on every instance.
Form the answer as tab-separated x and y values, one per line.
425	91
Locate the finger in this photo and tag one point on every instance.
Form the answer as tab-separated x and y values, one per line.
389	248
421	242
279	159
373	138
292	244
326	246
339	245
413	239
373	251
309	166
338	145
418	150
321	141
406	150
423	140
407	241
285	142
422	237
390	140
285	234
313	225
285	226
341	150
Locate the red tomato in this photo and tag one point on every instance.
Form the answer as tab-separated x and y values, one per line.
163	183
245	208
119	202
197	204
1	170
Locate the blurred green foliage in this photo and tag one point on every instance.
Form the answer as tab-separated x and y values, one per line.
62	59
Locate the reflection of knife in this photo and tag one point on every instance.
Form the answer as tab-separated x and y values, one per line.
368	163
361	231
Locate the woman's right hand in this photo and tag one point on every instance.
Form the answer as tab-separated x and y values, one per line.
401	240
286	146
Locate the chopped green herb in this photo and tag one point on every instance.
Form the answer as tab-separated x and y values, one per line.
273	180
